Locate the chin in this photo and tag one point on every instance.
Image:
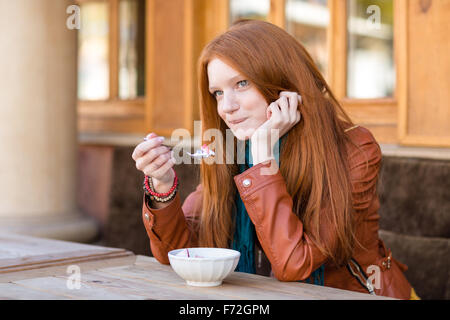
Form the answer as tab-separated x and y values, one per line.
243	134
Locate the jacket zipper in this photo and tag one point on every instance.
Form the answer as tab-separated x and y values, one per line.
361	277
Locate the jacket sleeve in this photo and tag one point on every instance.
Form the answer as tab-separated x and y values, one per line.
290	250
172	227
365	164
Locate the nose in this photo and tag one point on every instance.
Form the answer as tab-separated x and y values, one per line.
230	103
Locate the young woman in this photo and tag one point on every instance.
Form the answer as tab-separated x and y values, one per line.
312	214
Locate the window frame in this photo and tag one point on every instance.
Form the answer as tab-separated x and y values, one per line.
115	114
380	114
385	117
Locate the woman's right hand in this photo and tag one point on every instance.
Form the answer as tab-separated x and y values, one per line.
155	161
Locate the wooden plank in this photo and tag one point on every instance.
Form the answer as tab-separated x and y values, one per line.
127	277
148	279
58	286
165	277
63	259
55	270
16	246
277	14
379	116
118	116
169	73
424	95
331	76
337	54
200	33
383	133
150	46
137	286
307	291
116	125
19	252
217	18
189	82
426	141
429	82
401	56
375	112
12	291
113	49
112	109
242	284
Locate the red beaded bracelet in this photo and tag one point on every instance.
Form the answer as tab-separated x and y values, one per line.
160	195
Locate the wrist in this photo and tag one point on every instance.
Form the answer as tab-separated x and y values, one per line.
262	151
265	159
162	186
158	194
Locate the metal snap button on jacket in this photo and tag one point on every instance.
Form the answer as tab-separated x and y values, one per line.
247	182
147	216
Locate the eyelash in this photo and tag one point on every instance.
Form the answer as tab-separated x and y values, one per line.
214	93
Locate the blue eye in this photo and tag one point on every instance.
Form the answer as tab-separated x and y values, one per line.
245	81
214	93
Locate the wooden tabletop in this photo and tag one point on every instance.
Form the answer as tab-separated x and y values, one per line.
124	276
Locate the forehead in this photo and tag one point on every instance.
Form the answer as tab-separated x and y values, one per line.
220	73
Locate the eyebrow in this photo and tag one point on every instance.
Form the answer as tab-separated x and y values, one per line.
231	80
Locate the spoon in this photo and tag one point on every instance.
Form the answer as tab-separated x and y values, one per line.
204	152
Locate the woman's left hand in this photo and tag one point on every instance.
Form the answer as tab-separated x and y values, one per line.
282	115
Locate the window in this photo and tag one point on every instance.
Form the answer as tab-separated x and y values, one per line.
111	44
112	69
93	52
137	57
370	61
131	49
249	9
307	21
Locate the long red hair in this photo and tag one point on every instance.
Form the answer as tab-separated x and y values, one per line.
315	168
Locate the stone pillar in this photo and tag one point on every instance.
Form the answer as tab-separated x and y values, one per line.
38	122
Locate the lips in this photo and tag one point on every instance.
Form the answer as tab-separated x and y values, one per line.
238	121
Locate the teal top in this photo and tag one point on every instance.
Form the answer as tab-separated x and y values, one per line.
245	234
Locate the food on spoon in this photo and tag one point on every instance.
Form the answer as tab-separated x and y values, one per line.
204	152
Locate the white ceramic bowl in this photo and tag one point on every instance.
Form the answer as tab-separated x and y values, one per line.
205	267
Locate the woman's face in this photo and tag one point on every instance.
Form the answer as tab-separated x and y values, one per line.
237	98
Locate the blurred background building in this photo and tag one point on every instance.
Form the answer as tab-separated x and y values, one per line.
84	81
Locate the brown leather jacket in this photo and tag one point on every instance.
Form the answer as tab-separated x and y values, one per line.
285	247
